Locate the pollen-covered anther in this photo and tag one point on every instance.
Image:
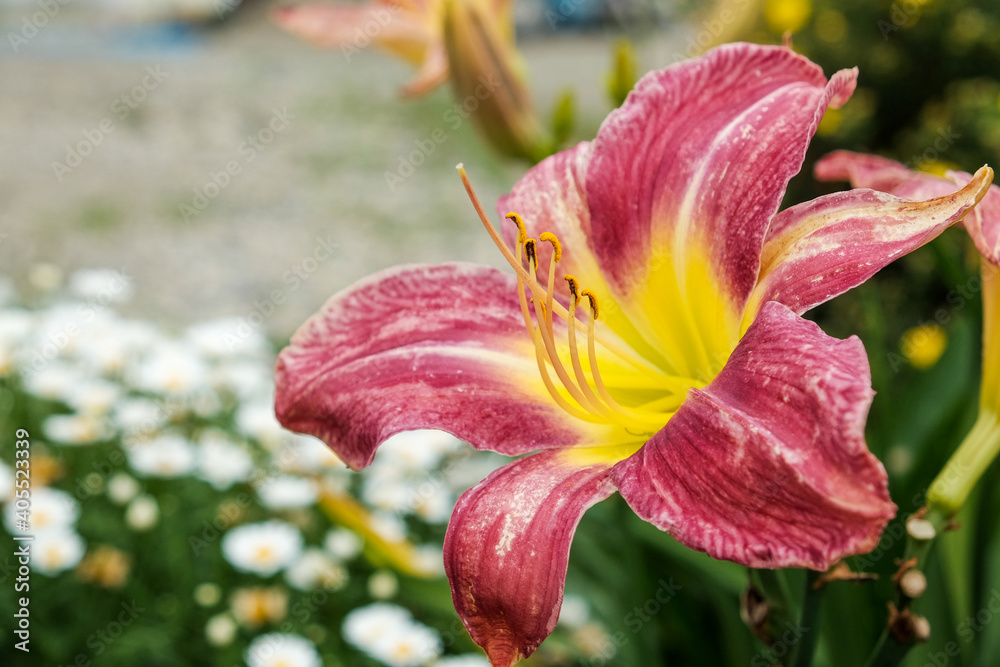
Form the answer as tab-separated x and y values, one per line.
530	255
593	301
574	286
549	237
522	232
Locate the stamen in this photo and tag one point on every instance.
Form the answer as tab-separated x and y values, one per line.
524	277
522	232
556	256
549	237
649	417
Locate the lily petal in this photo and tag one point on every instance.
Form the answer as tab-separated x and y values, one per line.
768	466
507	549
335	25
824	247
879	173
440	347
684	179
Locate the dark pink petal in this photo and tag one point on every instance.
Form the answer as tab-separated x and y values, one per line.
440	347
698	158
768	466
824	247
879	173
507	549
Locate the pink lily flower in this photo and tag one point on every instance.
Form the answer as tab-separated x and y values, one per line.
981	446
671	364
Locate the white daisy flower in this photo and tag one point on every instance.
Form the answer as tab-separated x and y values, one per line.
142	513
283	492
220	630
122	488
282	650
136	415
56	380
222	462
94	397
51	509
343	544
243	378
101	286
433	502
413	645
388	526
256	419
386	488
53	551
418	451
168	455
304	454
315	569
76	429
364	626
171	369
574	612
383	585
217	338
6	482
262	548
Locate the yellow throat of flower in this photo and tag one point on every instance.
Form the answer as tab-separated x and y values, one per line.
569	373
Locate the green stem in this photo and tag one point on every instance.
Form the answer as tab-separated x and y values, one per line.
888	652
953	484
809	622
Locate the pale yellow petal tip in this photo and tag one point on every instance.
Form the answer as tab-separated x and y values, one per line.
983	178
923	345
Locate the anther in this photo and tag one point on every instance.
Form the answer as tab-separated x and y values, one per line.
529	253
522	233
593	301
573	286
549	237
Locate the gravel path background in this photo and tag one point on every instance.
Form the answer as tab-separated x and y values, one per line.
320	181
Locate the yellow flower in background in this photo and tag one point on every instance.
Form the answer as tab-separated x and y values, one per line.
923	345
254	607
787	15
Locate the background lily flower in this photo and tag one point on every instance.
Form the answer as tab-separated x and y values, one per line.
470	42
981	446
412	30
671	364
408	29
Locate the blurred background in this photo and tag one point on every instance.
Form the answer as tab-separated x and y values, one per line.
182	183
